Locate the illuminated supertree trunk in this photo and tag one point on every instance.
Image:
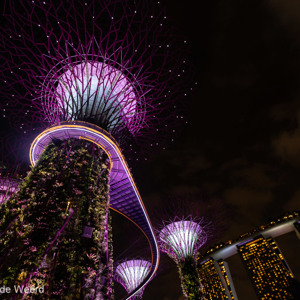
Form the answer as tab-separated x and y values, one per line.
61	223
106	64
131	273
181	239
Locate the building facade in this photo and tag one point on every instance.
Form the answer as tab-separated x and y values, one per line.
216	280
270	275
266	267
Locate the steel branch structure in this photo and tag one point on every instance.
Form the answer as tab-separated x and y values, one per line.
131	273
129	44
113	66
181	239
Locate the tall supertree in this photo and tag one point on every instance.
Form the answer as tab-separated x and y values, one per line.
181	239
103	76
130	273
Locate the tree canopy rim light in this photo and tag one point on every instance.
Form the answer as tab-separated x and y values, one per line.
129	272
182	238
113	87
120	176
45	38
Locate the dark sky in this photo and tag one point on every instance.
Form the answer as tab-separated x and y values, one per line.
242	142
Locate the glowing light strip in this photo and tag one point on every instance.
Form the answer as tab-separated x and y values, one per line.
136	226
100	135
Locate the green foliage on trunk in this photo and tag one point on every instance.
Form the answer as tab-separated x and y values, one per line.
189	278
68	186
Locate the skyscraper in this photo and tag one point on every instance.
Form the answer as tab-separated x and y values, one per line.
216	280
267	269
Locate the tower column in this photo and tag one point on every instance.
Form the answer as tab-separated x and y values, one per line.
56	230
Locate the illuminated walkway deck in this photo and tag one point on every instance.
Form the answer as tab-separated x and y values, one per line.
124	196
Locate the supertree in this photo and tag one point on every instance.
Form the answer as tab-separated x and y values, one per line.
11	172
130	274
100	74
181	239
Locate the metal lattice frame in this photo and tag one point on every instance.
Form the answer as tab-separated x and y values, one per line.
43	41
51	51
182	238
130	273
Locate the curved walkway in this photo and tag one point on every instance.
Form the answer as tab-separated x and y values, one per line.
124	196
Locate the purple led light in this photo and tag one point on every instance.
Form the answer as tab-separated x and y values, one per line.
245	242
59	58
108	63
182	238
8	187
204	261
119	173
89	89
131	273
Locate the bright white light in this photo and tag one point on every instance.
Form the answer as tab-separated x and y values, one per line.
181	239
94	90
131	273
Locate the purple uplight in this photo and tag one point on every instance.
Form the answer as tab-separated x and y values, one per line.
131	273
88	89
115	64
8	186
181	239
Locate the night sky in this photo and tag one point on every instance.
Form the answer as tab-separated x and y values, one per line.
242	142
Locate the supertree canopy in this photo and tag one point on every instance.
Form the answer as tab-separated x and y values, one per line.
130	273
103	77
181	239
97	92
116	64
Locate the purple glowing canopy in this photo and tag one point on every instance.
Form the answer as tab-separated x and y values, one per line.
88	89
131	273
180	239
55	55
62	60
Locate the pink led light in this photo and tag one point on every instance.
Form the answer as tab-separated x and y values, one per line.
8	187
95	91
182	238
131	273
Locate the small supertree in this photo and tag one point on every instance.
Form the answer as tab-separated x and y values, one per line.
104	63
181	239
131	273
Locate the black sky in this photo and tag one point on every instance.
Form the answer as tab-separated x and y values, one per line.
242	142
